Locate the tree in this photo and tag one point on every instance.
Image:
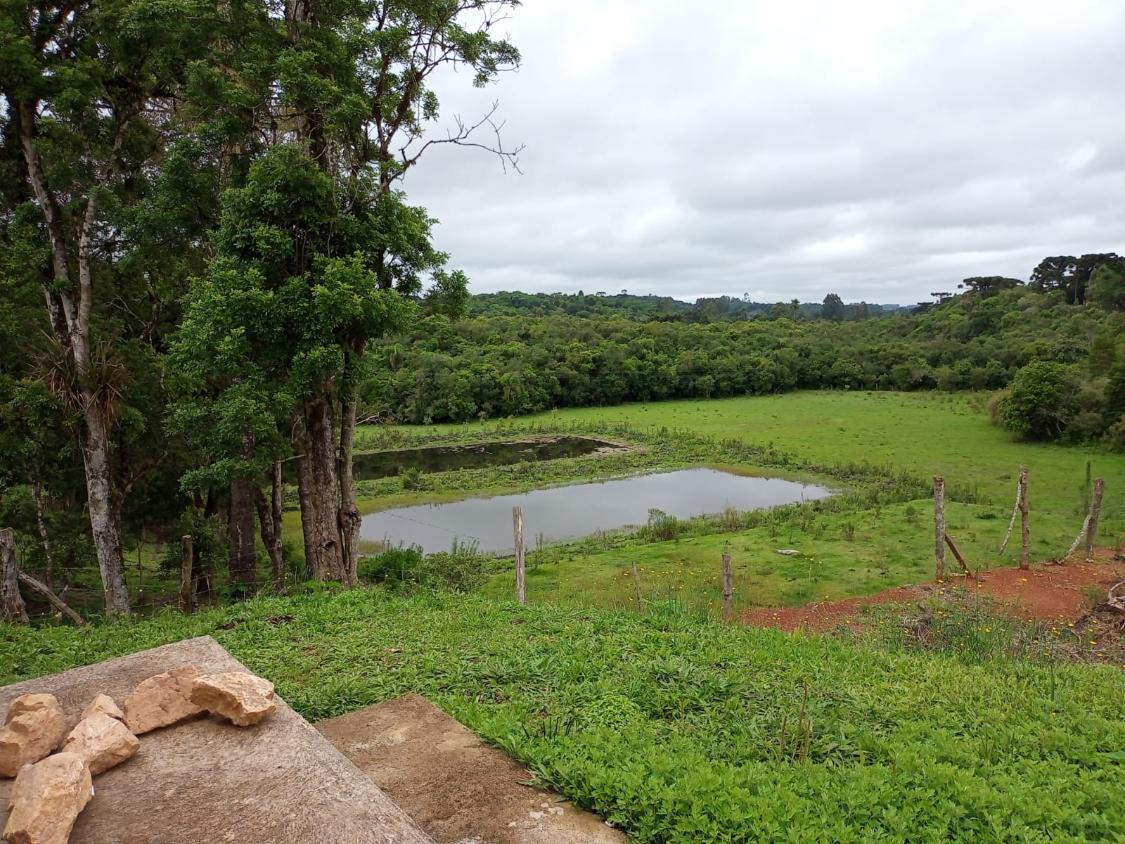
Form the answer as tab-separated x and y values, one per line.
87	90
320	237
1069	274
1041	401
988	285
1107	286
833	308
1055	273
357	78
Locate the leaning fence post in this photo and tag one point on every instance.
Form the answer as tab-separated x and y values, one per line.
1025	523
939	526
187	593
517	525
728	586
12	608
1095	514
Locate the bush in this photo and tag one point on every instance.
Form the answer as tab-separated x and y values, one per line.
661	526
1115	436
398	565
461	569
1041	401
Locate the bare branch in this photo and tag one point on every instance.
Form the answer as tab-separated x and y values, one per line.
463	137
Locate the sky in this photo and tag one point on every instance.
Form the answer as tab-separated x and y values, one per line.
878	149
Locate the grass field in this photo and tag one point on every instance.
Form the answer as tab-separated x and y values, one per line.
842	553
680	730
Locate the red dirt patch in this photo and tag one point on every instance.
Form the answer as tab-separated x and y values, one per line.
1046	592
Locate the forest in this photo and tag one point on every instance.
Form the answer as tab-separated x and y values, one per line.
517	354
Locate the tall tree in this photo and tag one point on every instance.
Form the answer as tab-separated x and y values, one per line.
988	285
1107	286
832	308
87	87
356	79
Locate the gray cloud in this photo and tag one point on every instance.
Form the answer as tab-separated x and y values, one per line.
878	149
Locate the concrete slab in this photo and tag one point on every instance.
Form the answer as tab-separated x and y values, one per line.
208	781
459	789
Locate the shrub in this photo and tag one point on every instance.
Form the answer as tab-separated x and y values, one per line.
398	565
461	569
661	526
1041	401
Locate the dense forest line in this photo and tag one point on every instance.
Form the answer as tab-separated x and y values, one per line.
501	364
666	308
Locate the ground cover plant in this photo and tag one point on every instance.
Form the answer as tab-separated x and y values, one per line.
677	729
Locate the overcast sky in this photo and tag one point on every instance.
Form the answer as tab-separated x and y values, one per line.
880	150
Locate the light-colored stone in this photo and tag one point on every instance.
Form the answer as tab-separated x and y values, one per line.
46	799
35	726
102	741
242	699
161	700
105	705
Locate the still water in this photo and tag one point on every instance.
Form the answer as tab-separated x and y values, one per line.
383	464
569	512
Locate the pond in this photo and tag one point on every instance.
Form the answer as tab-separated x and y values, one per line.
569	512
384	464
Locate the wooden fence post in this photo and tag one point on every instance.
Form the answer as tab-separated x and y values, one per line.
728	586
187	590
1025	523
12	608
517	525
1095	514
637	581
939	526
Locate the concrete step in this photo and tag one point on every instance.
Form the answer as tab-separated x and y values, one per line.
459	789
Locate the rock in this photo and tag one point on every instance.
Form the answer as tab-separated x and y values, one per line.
241	698
46	799
35	726
30	703
102	741
105	705
161	700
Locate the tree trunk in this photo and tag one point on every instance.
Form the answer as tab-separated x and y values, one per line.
269	518
304	500
320	495
187	577
12	608
44	536
69	316
243	556
54	600
99	502
349	519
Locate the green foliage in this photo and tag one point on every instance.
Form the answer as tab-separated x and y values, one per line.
521	354
461	569
662	527
395	566
680	730
1041	401
1107	286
